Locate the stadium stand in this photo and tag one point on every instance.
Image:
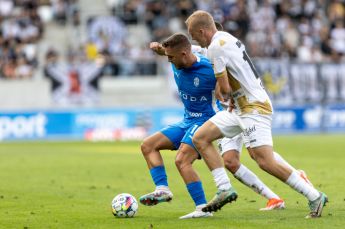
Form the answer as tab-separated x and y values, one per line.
69	68
21	28
305	38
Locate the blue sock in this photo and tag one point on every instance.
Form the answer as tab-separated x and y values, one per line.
159	175
197	192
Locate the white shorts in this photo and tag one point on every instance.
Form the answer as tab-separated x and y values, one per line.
257	133
226	144
258	130
228	123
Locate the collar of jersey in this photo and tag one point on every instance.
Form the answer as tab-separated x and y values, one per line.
197	58
215	36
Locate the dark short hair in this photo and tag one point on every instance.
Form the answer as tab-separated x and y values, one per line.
218	25
177	40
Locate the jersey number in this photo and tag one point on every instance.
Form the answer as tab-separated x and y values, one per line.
246	58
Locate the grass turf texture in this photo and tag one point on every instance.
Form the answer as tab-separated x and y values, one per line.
71	185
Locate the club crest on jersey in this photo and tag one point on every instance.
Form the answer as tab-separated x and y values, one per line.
196	82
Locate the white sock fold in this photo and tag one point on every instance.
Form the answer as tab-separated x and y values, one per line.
162	188
199	207
297	183
221	179
247	177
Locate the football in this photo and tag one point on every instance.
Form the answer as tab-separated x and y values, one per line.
124	205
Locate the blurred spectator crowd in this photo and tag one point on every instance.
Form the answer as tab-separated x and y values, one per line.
304	30
21	29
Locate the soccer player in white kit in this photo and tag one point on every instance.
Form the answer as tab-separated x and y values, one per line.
230	150
232	63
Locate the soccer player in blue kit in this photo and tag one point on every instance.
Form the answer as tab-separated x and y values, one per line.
196	84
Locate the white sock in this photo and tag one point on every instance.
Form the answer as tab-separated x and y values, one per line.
297	183
247	177
221	178
199	207
162	188
281	160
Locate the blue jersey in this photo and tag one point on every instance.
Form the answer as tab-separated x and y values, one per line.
196	86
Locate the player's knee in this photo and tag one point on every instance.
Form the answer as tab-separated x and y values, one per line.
185	159
232	164
251	154
181	163
263	164
199	142
146	148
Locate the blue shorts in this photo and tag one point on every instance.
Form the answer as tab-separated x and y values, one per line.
182	132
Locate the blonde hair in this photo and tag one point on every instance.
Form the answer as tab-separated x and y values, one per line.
200	19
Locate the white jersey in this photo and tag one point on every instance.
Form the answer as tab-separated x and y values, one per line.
228	54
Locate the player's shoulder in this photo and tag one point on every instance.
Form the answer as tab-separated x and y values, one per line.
175	70
221	41
202	60
203	65
199	50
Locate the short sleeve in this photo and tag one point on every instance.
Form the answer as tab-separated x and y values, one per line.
219	65
216	55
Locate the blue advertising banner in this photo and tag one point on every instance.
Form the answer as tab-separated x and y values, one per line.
106	124
135	124
334	118
297	119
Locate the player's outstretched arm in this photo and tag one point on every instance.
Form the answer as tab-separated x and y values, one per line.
157	48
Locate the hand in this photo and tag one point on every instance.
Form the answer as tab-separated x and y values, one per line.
226	101
157	48
231	104
228	105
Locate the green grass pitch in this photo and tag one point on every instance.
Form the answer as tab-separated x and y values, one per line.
71	185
